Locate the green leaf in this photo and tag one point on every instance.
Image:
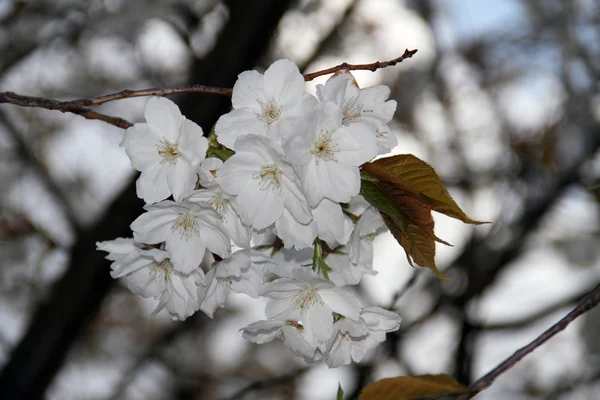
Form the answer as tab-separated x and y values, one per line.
412	387
415	176
340	392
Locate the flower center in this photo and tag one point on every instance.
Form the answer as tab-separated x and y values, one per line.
186	225
168	151
308	297
270	176
161	270
219	202
324	148
270	111
352	111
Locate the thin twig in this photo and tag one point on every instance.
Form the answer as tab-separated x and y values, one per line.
588	302
80	106
365	67
126	94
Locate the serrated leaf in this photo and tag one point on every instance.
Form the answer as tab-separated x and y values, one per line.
415	176
412	387
409	220
417	244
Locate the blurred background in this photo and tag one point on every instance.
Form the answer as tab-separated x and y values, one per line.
502	99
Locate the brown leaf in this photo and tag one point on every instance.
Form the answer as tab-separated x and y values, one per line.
412	387
417	243
413	175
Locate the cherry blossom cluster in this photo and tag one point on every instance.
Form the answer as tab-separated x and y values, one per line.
278	217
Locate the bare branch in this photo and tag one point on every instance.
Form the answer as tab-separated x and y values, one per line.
63	106
590	301
364	67
126	94
80	106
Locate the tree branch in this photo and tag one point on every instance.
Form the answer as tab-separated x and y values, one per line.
590	301
80	106
62	106
365	67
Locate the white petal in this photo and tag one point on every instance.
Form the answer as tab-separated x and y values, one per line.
238	123
284	83
262	331
248	88
283	309
181	179
341	301
140	143
331	223
192	142
337	181
152	185
295	341
215	237
260	208
293	233
318	323
186	255
153	226
163	114
380	320
356	146
121	246
295	201
208	170
282	288
339	353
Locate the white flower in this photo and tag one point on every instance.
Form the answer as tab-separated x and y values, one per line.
311	300
291	332
263	182
363	109
187	229
225	206
332	225
271	105
352	339
294	234
207	172
243	272
351	262
327	155
149	273
286	261
329	224
369	225
166	149
386	140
